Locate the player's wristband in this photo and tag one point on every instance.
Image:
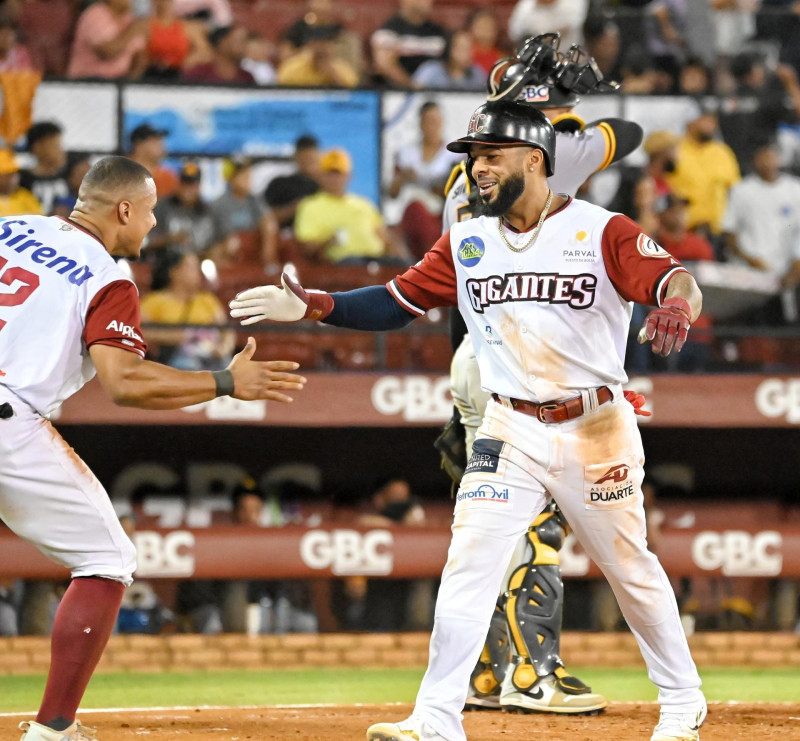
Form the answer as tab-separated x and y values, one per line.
224	382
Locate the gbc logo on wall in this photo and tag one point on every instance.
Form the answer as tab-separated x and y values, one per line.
348	552
171	554
417	398
738	553
777	397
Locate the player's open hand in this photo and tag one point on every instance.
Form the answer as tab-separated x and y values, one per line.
254	379
288	302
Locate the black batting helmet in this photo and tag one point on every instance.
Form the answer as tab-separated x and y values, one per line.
509	123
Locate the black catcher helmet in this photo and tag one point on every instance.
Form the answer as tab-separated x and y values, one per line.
542	76
509	123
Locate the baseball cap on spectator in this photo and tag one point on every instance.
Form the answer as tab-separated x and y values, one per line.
234	165
670	200
190	173
144	132
336	160
658	141
41	130
8	162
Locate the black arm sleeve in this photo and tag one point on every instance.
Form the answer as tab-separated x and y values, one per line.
372	309
627	134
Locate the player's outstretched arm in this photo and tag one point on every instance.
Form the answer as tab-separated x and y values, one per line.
131	381
372	308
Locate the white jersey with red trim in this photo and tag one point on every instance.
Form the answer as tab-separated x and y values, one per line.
551	320
60	293
578	155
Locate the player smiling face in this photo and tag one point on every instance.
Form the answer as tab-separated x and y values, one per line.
499	172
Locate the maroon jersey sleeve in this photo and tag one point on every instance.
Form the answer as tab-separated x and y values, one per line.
429	283
638	267
113	318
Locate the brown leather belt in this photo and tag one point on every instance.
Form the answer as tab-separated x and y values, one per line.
554	412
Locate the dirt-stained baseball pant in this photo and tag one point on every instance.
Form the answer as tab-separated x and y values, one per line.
49	496
493	509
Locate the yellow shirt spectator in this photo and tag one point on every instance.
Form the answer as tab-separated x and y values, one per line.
705	173
160	306
21	201
350	223
317	63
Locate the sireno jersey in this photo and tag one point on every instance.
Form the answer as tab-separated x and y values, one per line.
60	293
550	321
578	155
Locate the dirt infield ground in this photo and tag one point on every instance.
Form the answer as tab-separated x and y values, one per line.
725	722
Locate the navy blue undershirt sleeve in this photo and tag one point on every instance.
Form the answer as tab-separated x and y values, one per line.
372	309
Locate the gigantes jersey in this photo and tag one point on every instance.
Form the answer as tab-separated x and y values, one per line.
578	155
60	293
554	319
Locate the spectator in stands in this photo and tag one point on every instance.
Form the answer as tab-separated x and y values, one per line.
706	170
387	601
307	156
485	30
14	56
218	12
455	71
734	23
47	178
14	200
405	41
178	297
47	27
109	42
173	43
666	24
420	174
602	42
76	168
763	99
242	231
639	75
147	148
335	225
228	49
184	220
258	59
532	17
317	63
324	13
661	147
10	601
636	198
762	222
694	78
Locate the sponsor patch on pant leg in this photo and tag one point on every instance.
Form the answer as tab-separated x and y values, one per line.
611	485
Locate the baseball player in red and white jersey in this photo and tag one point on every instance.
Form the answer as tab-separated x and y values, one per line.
543	78
546	285
66	312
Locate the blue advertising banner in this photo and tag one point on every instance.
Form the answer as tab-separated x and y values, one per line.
262	123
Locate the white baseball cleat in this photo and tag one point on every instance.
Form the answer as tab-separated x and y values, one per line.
33	731
411	729
547	697
679	726
483	702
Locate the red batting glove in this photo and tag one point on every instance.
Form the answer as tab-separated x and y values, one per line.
668	326
637	401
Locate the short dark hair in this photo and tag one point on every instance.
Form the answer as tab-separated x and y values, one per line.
165	260
428	105
113	172
218	35
306	142
42	130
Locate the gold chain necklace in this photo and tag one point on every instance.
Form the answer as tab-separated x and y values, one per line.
535	234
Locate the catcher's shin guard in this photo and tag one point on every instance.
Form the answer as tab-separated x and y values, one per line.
484	686
535	599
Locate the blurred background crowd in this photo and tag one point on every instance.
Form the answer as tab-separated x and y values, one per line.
723	188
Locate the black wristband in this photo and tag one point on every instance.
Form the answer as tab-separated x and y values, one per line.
224	382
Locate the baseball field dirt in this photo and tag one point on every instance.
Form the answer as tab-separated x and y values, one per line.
726	722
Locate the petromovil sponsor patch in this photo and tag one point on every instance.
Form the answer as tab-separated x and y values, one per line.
608	486
484	493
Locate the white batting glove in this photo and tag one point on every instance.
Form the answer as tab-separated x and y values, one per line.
289	302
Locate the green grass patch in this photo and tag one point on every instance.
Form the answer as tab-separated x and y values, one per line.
348	686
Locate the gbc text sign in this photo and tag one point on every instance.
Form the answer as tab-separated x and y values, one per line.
348	552
164	554
416	398
739	553
777	397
